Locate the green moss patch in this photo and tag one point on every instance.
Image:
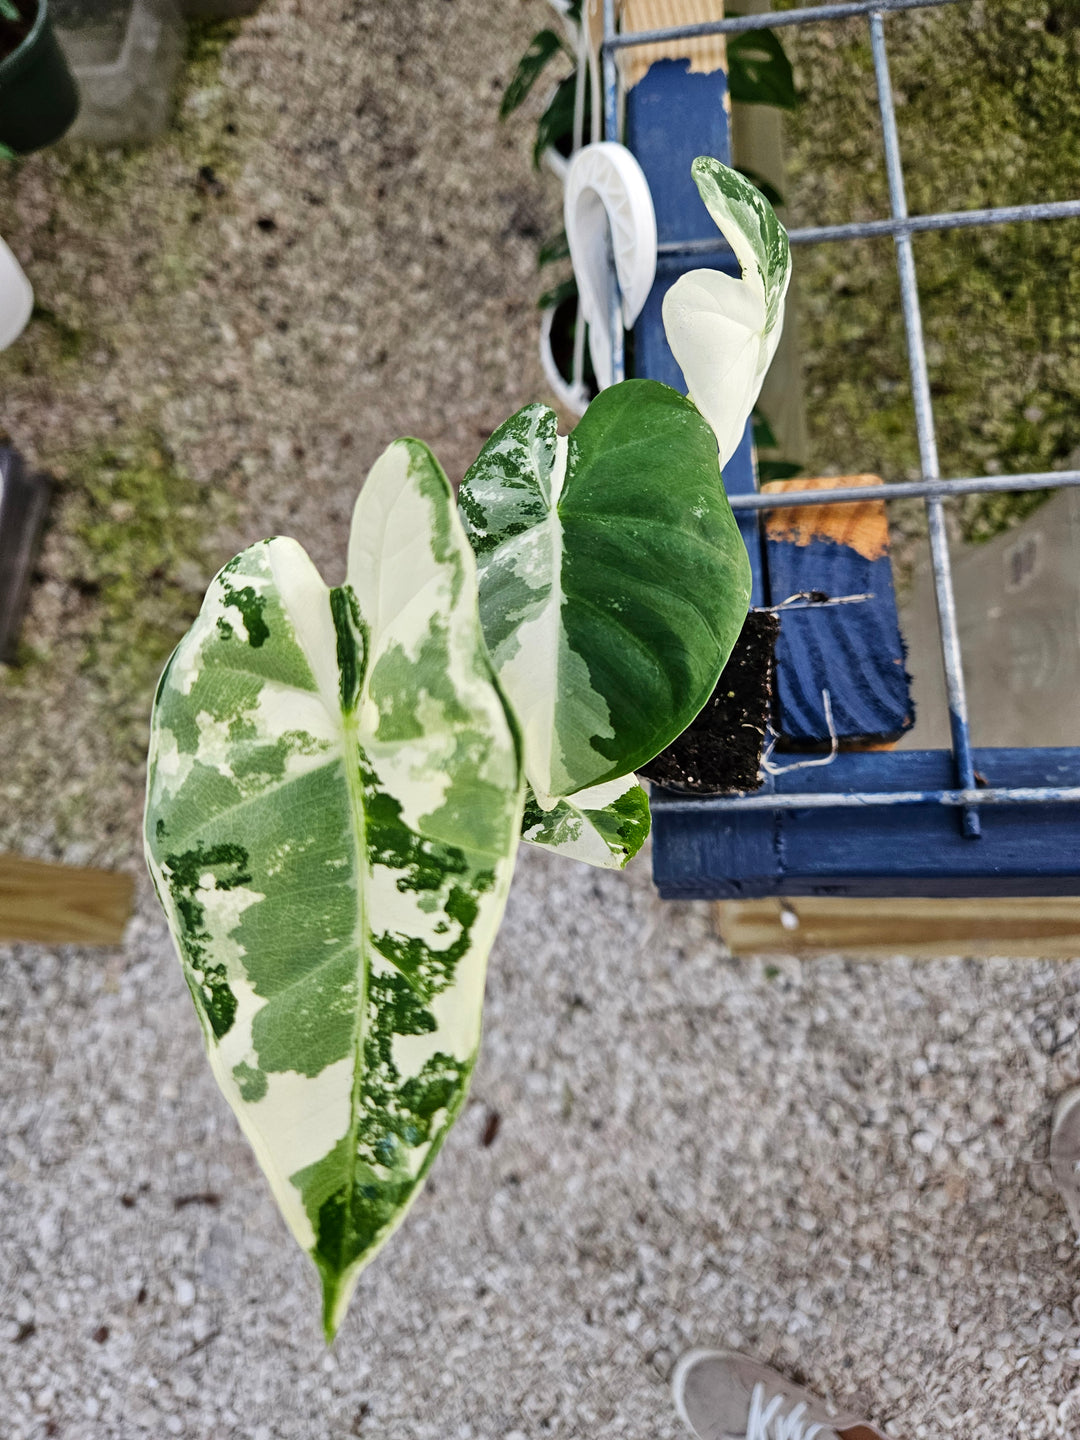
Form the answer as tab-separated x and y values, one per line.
133	544
988	112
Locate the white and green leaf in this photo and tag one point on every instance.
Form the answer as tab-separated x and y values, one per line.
613	579
723	331
333	806
605	825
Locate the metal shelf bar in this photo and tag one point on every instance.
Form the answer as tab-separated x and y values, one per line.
736	25
924	425
842	800
907	489
910	225
967	796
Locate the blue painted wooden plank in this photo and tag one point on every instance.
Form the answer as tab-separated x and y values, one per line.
672	117
917	850
855	652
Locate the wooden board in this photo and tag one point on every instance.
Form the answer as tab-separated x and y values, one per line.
706	53
62	904
855	651
1046	927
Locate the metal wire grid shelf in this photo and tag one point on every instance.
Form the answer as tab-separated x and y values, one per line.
966	794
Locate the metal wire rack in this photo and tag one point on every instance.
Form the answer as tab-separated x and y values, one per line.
966	794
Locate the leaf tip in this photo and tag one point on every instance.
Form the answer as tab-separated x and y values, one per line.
337	1291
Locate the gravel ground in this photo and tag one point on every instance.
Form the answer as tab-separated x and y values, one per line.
838	1166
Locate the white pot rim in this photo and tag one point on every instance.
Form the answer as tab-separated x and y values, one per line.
16	298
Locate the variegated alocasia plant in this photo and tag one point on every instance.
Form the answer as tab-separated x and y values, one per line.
333	808
724	331
338	778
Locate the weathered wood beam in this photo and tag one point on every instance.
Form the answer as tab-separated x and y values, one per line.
62	904
925	929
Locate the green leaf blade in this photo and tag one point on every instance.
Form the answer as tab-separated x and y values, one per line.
542	48
759	71
333	806
604	826
613	579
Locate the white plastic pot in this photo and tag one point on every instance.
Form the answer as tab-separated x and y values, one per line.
16	298
611	230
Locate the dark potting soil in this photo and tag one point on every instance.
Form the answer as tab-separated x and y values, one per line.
721	748
14	32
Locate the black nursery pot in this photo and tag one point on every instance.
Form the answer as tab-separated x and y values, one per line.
38	95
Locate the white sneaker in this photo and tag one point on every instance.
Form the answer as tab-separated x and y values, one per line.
723	1396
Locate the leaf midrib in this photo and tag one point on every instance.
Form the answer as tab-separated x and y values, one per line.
351	756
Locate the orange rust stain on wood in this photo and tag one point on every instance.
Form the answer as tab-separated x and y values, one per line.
863	525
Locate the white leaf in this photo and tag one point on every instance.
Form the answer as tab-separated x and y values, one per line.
724	331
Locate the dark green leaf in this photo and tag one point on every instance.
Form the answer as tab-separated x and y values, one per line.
530	67
759	72
556	125
777	470
764	438
557	248
772	195
613	579
565	290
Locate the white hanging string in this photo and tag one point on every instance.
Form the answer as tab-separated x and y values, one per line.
573	395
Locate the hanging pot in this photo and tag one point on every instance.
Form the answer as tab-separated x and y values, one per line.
38	96
218	9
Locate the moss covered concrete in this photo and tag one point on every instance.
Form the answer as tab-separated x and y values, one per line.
988	112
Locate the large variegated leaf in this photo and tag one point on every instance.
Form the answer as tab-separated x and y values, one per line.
605	825
724	331
333	807
613	579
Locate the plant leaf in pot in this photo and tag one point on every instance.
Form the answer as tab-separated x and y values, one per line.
39	99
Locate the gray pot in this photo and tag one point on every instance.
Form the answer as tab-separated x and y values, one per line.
126	55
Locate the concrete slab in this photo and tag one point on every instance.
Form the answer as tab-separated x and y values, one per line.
1018	607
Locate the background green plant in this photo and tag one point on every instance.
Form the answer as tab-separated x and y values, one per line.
759	73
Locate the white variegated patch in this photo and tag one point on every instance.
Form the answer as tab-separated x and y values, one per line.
333	805
605	825
724	331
